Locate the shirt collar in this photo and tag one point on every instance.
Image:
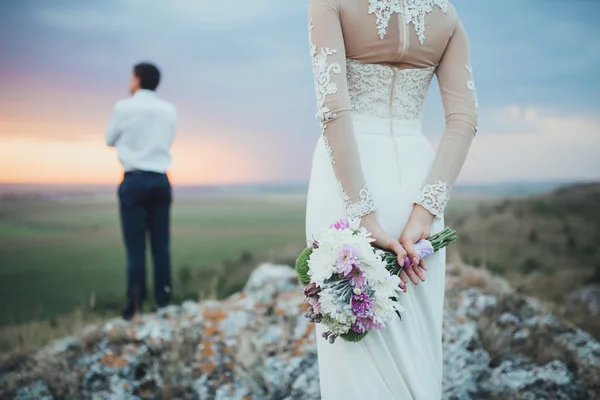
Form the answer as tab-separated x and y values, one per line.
144	93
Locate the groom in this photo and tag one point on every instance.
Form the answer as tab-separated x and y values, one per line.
142	128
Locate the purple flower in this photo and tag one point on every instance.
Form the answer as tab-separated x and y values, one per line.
363	325
347	259
362	305
341	225
423	248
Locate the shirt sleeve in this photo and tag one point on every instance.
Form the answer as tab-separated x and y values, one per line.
333	104
115	126
455	77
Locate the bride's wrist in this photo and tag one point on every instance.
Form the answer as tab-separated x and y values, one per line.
422	215
369	220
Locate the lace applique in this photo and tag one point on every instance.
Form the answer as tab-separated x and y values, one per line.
383	10
471	85
322	71
364	206
323	85
414	11
434	198
369	88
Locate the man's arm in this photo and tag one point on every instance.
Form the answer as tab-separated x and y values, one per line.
114	128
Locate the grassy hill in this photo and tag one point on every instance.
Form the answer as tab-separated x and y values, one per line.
546	245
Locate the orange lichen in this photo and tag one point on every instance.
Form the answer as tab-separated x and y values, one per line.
207	367
207	350
210	330
280	311
113	361
298	351
310	328
214	314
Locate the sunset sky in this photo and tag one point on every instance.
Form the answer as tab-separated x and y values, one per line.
239	73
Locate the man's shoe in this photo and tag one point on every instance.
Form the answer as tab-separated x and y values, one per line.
129	312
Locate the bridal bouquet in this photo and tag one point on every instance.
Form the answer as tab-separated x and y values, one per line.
351	286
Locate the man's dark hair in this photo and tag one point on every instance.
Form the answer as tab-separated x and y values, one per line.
149	75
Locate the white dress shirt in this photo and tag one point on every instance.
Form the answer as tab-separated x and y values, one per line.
142	129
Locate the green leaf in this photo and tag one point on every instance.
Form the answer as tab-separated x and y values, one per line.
302	266
353	336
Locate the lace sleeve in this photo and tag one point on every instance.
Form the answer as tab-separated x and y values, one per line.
460	105
333	102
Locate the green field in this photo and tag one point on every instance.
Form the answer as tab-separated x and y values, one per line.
57	255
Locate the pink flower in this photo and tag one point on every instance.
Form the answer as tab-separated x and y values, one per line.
314	302
347	259
341	225
358	278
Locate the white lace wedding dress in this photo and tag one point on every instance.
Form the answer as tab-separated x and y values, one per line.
373	61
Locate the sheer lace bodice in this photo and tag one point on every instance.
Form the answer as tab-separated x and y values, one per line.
386	92
377	58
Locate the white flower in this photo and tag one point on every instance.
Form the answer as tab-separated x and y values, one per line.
354	224
321	265
389	286
357	291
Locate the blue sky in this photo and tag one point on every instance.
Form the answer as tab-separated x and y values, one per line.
240	74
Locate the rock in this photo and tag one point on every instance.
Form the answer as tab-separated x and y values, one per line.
585	300
522	380
258	345
519	326
36	390
268	280
464	358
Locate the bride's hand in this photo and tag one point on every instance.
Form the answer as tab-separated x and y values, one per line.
417	228
384	240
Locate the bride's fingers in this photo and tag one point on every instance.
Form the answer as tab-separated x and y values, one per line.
408	244
397	248
403	277
418	271
402	286
423	265
412	276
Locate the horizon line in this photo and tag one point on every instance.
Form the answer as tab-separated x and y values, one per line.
304	183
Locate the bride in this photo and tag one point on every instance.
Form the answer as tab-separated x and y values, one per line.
373	61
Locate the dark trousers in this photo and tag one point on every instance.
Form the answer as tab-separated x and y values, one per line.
145	203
